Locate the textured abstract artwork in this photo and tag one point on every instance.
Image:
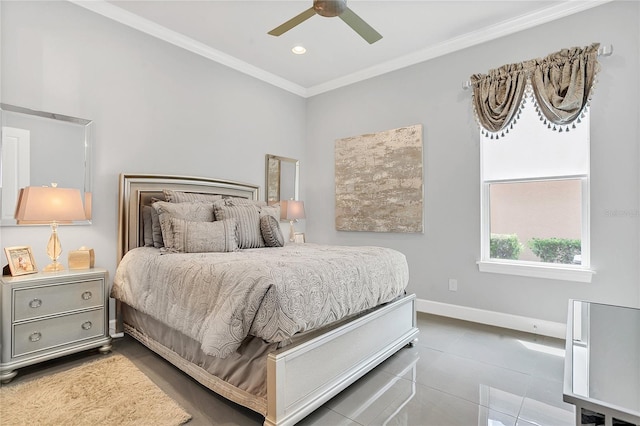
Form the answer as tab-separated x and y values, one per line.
379	181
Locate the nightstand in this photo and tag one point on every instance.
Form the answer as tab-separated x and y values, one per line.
52	314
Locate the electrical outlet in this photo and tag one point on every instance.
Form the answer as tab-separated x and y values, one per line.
453	284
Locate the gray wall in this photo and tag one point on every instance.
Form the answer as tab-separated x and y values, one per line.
157	109
430	93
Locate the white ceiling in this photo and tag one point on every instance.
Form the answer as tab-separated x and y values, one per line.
234	33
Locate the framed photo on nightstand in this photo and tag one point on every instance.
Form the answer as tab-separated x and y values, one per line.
299	237
21	260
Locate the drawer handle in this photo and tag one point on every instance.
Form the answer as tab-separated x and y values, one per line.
35	303
86	325
35	336
87	295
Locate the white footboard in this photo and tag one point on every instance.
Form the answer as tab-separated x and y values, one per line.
302	378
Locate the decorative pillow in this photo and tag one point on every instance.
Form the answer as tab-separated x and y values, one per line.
271	232
156	229
247	217
273	210
196	212
201	237
236	201
147	226
188	197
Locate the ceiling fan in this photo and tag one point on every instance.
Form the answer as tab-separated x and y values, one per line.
330	9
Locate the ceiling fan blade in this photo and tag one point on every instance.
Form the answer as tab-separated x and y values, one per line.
360	26
293	22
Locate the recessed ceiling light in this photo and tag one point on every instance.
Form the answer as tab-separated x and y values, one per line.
298	50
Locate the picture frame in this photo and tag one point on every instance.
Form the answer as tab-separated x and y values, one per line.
299	237
21	261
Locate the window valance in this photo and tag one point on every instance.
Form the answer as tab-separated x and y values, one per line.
560	84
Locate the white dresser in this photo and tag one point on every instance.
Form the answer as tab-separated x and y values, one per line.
602	363
52	314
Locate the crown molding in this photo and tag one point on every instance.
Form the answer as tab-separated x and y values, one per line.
474	38
151	28
467	40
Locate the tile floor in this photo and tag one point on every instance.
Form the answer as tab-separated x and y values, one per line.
458	373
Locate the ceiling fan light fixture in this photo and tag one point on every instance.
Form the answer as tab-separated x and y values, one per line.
299	49
329	8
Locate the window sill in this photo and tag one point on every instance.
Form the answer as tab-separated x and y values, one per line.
530	269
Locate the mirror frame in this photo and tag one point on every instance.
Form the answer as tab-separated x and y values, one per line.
296	178
88	140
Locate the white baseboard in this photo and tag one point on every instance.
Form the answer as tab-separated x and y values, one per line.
498	319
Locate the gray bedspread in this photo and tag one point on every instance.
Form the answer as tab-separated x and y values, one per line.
272	293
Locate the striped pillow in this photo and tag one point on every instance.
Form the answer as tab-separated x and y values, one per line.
204	237
247	217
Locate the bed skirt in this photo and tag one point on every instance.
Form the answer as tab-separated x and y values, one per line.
285	382
240	377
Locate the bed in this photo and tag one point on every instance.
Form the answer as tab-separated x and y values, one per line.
279	352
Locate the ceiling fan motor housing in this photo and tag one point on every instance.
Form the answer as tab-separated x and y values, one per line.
329	8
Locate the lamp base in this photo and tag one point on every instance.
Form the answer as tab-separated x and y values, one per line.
292	232
54	248
54	267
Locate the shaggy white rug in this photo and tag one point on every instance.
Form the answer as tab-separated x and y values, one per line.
109	391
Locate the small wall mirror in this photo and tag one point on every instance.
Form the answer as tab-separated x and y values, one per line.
40	148
282	178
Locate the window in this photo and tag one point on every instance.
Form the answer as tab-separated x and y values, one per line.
534	137
535	198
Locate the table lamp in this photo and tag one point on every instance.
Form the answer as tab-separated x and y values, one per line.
291	210
52	205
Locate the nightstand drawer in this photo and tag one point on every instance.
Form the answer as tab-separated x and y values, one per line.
36	302
44	334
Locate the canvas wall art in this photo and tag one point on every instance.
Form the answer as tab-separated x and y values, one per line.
378	180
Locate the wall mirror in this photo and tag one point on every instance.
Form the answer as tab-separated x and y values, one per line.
40	148
282	178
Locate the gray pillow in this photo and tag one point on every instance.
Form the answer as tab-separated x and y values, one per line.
147	226
156	229
247	217
236	201
273	210
195	212
271	232
188	197
202	237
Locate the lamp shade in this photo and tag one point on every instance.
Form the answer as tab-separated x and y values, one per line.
291	210
43	204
